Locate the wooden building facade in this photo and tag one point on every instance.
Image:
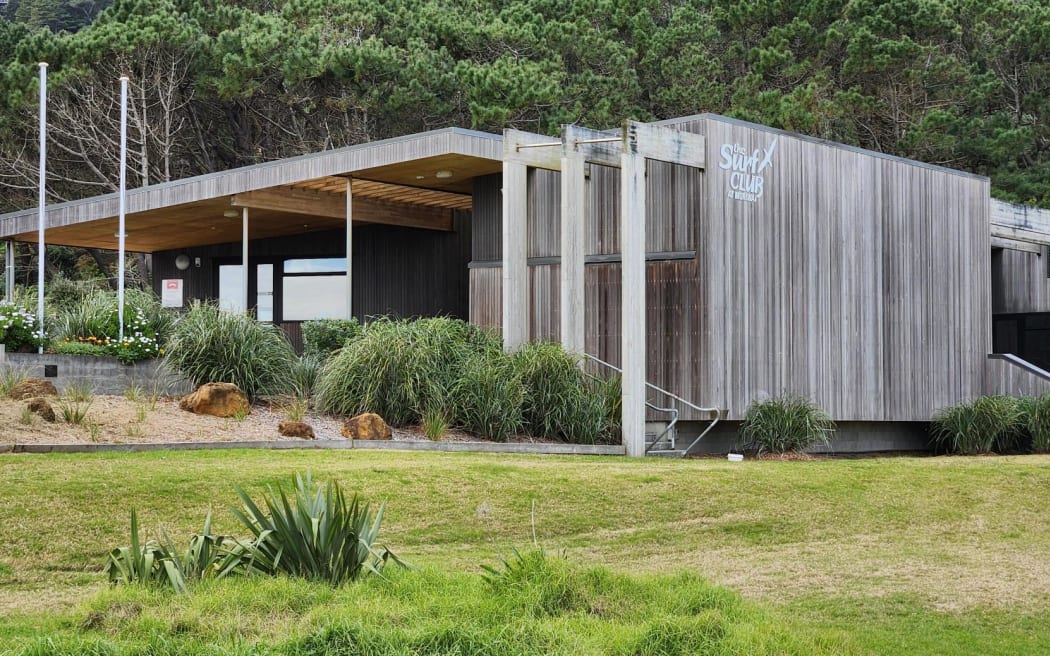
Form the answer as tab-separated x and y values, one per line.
788	265
875	286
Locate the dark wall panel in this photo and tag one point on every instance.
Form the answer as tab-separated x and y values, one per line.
397	271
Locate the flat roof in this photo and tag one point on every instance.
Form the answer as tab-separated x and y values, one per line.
389	176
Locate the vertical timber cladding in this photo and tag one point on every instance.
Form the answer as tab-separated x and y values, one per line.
673	294
859	281
1020	282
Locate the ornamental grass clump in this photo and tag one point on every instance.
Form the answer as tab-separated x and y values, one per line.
210	345
561	402
785	424
401	369
488	395
990	424
1038	423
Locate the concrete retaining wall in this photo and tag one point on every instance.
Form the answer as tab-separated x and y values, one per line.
106	375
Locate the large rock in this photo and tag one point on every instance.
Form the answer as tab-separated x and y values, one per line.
40	406
32	387
216	399
296	429
368	426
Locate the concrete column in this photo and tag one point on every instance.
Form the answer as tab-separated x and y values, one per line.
573	235
515	254
632	345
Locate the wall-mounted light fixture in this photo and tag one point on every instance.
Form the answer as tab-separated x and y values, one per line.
182	262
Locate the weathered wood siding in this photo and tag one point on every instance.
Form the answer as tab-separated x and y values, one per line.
397	271
860	281
1019	282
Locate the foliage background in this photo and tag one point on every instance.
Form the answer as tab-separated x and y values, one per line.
215	85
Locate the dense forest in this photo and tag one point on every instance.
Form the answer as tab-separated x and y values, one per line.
219	84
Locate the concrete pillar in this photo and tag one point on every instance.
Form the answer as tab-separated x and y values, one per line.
632	344
573	251
515	256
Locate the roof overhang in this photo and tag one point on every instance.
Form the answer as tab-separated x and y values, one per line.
393	182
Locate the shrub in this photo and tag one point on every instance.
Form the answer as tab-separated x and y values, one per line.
18	328
986	425
315	534
487	396
211	345
785	424
96	321
561	402
1038	423
400	369
85	348
321	338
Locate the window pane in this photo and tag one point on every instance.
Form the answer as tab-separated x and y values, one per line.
316	265
230	288
314	297
264	297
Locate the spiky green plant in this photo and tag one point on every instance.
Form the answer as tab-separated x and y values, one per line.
487	397
144	563
1038	420
561	402
159	563
398	369
785	424
314	533
75	402
986	425
209	345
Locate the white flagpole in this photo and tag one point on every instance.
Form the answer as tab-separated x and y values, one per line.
123	200
41	250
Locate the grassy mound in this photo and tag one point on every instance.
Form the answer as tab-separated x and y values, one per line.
533	604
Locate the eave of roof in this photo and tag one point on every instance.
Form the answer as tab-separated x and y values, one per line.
361	158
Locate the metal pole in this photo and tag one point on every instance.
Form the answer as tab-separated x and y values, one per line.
41	252
123	201
9	271
244	256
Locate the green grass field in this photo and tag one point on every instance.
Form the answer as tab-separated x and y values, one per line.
869	556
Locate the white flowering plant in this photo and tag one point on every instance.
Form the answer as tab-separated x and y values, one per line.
139	343
18	328
140	340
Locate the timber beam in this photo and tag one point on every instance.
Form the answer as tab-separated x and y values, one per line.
365	210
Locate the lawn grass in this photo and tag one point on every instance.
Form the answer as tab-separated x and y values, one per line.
900	555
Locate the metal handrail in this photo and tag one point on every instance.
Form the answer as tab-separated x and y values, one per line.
717	412
654	387
670	425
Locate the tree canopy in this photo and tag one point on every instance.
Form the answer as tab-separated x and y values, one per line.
217	84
